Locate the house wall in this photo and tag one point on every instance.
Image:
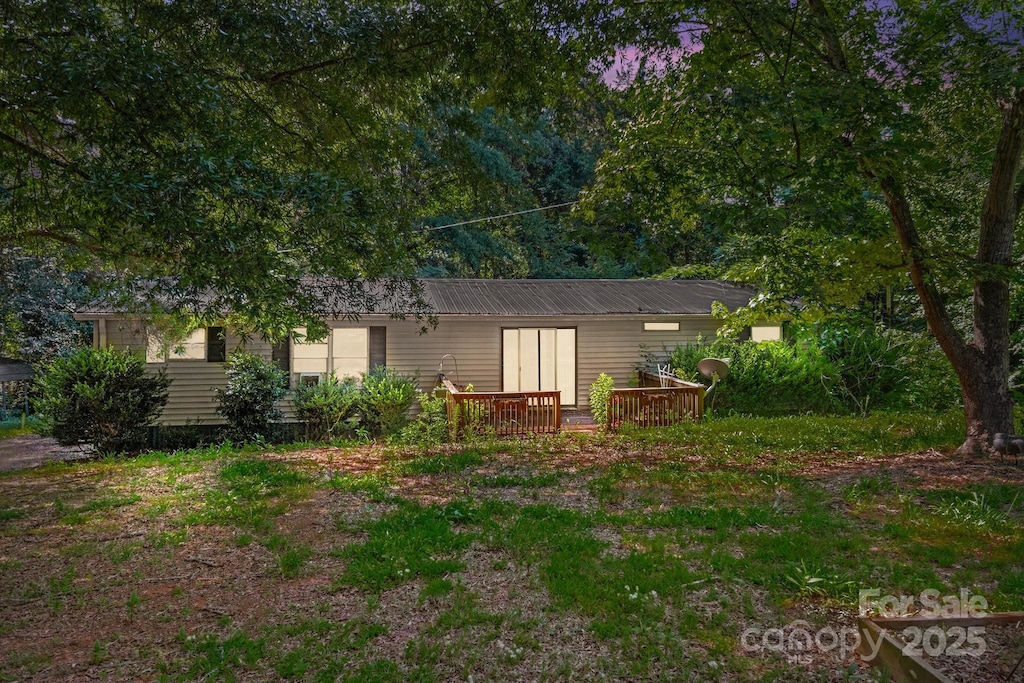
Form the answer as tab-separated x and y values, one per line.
190	397
609	344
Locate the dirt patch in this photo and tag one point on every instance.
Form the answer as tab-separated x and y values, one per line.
31	450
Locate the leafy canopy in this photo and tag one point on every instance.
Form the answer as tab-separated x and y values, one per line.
229	156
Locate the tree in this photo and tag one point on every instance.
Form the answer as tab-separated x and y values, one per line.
844	145
37	306
239	157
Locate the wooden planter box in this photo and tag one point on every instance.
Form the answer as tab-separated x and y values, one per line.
881	649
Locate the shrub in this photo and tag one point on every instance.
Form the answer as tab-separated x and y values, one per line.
767	378
102	397
888	369
835	368
431	426
249	403
600	392
386	397
329	409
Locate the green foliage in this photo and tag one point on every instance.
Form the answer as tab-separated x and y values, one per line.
431	426
249	403
885	369
600	392
770	378
36	322
215	658
833	368
840	147
329	408
251	490
385	398
412	543
102	397
244	135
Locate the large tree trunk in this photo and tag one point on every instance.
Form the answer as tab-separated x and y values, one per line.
983	364
988	405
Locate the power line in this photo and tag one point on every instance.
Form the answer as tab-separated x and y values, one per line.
492	218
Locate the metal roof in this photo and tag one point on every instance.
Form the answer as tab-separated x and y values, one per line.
553	297
581	297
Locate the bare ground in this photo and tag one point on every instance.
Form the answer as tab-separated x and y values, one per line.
121	597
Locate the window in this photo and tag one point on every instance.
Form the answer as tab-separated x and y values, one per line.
540	359
661	327
345	352
760	333
281	355
192	348
378	347
350	351
308	357
216	345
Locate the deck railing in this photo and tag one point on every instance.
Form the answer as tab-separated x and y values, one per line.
655	406
505	413
652	379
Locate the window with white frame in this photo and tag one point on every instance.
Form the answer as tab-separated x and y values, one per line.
345	352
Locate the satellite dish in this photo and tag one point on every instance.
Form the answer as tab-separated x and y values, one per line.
714	368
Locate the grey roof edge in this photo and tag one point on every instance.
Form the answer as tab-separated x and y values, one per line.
556	297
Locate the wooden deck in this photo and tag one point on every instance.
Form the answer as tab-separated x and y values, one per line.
503	413
654	405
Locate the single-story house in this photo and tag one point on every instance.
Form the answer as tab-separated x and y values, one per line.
498	335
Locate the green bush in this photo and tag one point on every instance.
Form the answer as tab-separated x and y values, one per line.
330	409
767	378
600	391
249	403
102	397
885	369
384	400
834	368
431	426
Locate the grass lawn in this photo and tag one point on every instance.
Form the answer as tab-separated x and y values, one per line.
643	556
12	427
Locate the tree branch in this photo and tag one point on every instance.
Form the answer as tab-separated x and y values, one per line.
40	154
833	46
283	76
56	237
935	311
